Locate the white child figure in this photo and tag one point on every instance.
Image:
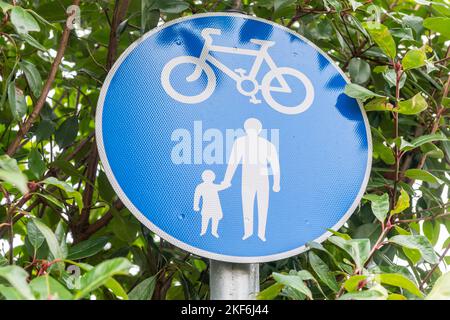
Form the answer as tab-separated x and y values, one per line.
211	208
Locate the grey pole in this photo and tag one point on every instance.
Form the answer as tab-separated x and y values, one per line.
233	281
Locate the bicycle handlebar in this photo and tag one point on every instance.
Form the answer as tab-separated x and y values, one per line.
207	32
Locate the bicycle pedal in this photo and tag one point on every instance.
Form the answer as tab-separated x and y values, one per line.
255	101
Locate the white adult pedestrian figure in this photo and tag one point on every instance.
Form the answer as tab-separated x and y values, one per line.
255	154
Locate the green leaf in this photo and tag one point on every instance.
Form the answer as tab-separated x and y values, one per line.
5	6
414	58
322	271
33	77
340	234
9	293
270	292
359	70
16	100
384	152
47	288
87	248
399	280
32	42
417	242
431	230
44	130
432	151
50	238
35	236
10	173
100	274
144	290
67	132
23	21
17	277
428	138
71	192
363	295
411	106
293	281
353	283
441	288
36	164
402	202
382	37
358	92
379	205
438	24
379	104
418	174
172	6
358	249
104	187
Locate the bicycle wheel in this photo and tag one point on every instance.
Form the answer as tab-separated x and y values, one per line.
202	96
267	94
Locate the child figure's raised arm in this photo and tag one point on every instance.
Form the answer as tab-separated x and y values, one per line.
197	196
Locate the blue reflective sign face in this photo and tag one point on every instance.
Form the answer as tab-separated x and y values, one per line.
232	138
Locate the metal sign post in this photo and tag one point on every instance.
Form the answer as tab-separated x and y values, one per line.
233	281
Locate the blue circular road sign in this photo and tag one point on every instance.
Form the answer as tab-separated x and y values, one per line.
232	138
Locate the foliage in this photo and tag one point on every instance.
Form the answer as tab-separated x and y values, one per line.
66	235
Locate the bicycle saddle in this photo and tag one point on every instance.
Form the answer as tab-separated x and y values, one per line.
260	42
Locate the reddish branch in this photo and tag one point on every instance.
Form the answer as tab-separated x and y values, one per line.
82	229
25	127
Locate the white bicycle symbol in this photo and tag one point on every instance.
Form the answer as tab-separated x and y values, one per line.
238	75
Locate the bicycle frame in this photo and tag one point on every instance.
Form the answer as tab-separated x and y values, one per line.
261	56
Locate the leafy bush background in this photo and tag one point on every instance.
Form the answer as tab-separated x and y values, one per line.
66	235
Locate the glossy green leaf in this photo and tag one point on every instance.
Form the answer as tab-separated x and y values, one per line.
16	101
17	277
359	70
87	248
438	24
101	273
417	242
358	249
36	164
71	192
293	281
414	58
379	104
10	173
412	106
67	132
379	205
419	174
144	290
23	21
34	235
50	238
382	37
33	77
322	271
354	283
402	204
399	280
358	92
47	288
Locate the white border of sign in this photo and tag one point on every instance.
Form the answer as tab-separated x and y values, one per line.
161	233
